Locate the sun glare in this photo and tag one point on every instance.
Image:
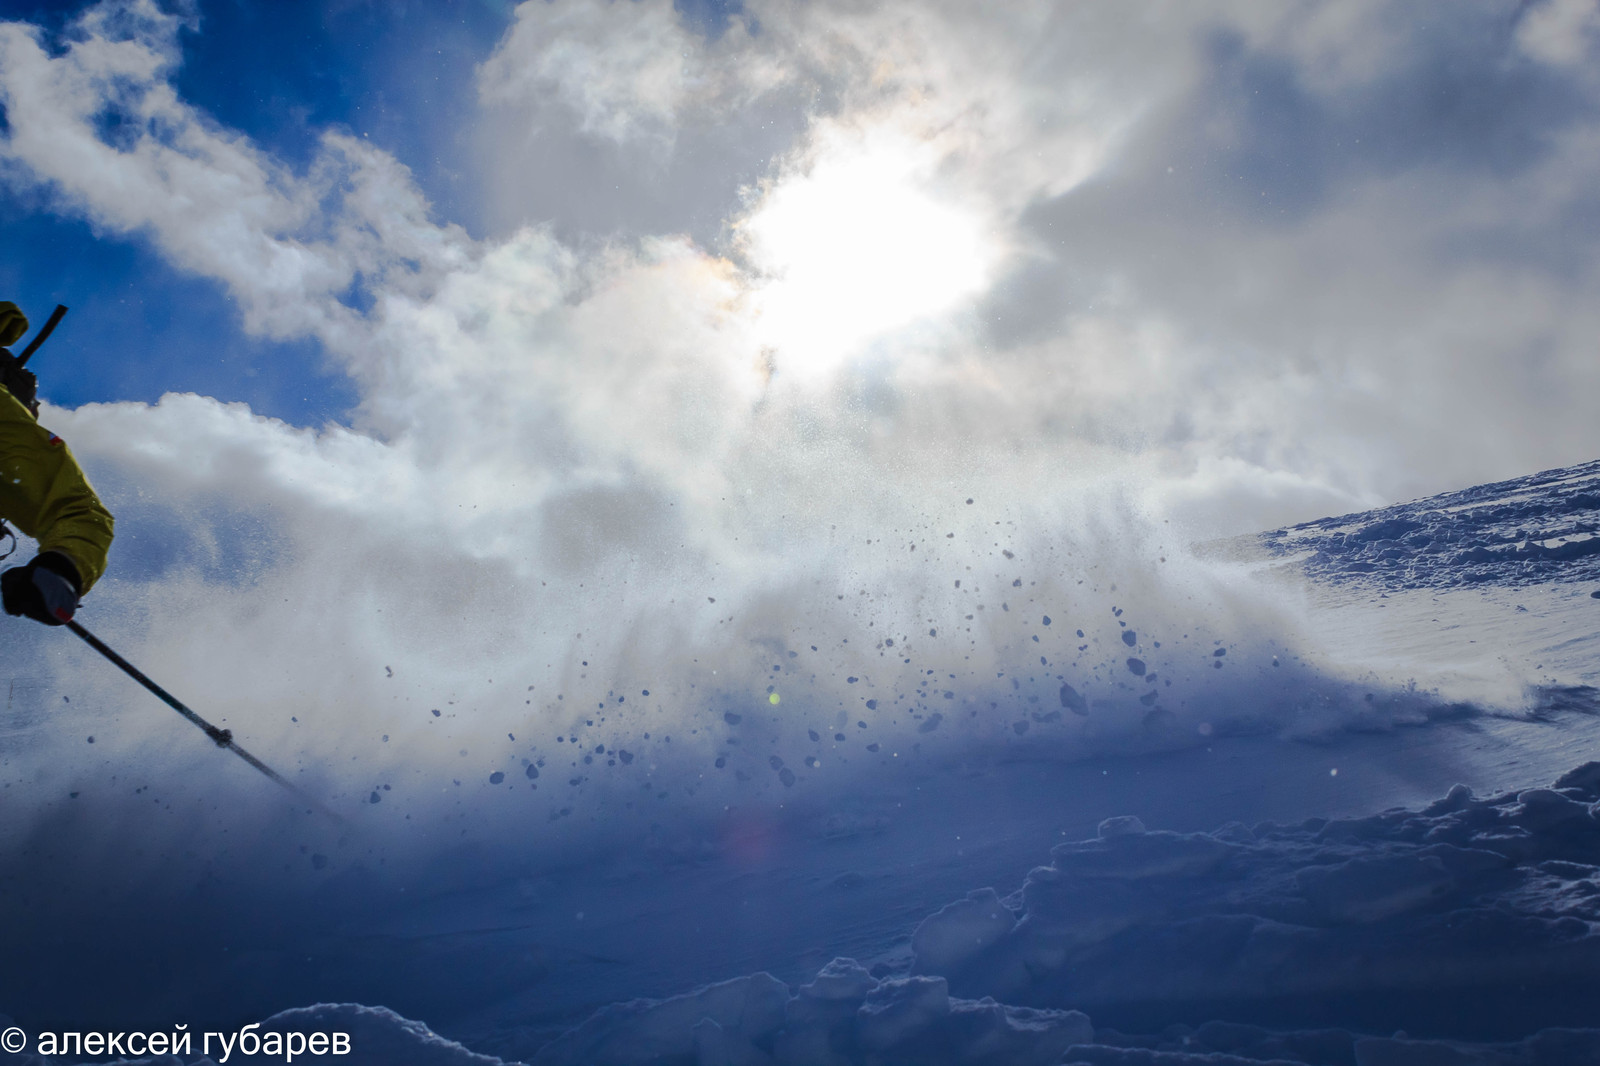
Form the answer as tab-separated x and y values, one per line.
856	248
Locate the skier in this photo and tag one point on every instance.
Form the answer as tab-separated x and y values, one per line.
43	493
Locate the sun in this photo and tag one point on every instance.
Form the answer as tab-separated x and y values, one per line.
858	246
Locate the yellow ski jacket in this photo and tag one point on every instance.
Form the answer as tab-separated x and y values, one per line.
44	494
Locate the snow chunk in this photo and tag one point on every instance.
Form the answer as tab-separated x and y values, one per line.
841	979
944	941
1235	833
1543	808
647	1030
993	1034
1121	826
715	1046
1371	889
1458	798
899	1009
1128	855
821	1019
377	1034
1547	1046
1585	778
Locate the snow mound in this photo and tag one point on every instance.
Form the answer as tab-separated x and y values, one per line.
378	1035
844	1016
961	930
722	1019
1410	913
1482	893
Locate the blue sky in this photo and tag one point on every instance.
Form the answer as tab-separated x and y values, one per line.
400	74
280	73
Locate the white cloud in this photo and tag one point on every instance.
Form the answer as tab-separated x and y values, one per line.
101	126
1562	32
625	67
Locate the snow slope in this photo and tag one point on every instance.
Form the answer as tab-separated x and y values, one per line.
1518	533
1385	823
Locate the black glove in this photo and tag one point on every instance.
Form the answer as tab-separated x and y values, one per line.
19	381
46	590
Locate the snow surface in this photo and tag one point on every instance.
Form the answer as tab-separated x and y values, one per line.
1530	530
1357	825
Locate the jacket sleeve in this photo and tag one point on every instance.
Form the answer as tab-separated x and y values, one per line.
44	493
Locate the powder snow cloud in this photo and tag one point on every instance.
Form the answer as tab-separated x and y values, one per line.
1229	264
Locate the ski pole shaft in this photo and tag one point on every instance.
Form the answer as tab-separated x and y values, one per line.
43	334
223	738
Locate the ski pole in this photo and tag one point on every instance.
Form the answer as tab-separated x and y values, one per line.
43	334
223	738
